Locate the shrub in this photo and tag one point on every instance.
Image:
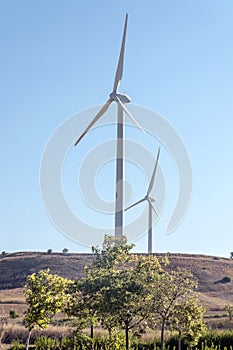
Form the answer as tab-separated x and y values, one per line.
13	314
77	340
15	345
219	340
43	342
226	279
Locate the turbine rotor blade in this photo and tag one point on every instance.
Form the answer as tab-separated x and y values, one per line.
153	208
97	117
130	115
119	71
136	203
153	174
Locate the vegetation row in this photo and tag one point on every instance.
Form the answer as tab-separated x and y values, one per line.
125	295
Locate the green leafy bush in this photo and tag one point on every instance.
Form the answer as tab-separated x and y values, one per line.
13	314
45	343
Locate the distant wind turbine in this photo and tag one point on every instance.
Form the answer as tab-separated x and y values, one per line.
150	200
121	99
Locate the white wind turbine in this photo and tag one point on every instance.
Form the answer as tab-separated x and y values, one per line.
150	200
121	100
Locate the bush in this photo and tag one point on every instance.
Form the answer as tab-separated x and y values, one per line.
77	340
13	314
211	341
223	341
15	345
226	279
45	343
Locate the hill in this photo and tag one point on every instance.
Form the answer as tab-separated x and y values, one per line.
214	274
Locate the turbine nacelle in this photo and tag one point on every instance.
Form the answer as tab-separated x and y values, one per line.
114	96
151	199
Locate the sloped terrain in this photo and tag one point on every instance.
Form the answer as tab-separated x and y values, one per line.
15	267
214	274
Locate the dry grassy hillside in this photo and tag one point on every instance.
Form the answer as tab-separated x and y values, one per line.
15	267
215	275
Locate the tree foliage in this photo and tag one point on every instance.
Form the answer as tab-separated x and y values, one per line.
45	296
165	290
113	289
229	309
120	290
187	320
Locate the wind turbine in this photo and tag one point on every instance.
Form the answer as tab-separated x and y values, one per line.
150	200
120	99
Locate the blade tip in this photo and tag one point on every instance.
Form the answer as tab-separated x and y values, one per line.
76	143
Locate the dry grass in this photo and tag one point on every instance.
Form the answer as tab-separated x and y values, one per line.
17	331
15	295
12	299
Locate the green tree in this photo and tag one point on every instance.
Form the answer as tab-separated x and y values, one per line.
114	253
121	279
85	294
229	309
45	296
122	300
81	304
163	293
112	290
187	320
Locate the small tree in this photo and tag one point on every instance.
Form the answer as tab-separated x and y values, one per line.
114	253
49	251
187	320
231	255
122	300
65	250
164	292
116	285
229	309
45	296
80	304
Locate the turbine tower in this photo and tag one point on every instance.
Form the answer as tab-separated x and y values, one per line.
150	200
121	100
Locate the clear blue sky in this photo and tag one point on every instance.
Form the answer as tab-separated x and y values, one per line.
59	57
